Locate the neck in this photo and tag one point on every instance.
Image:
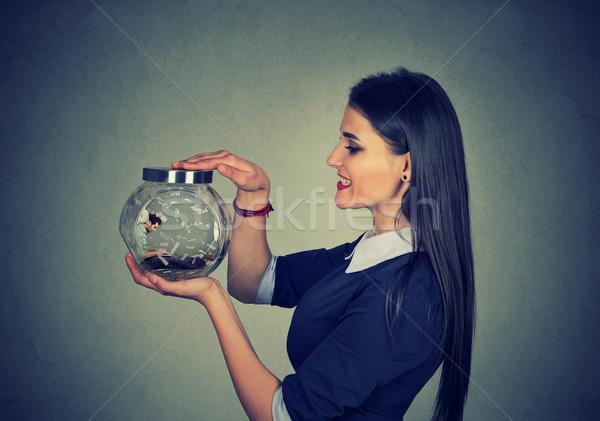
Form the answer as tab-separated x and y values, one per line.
385	221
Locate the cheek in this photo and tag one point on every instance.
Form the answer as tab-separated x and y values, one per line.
381	183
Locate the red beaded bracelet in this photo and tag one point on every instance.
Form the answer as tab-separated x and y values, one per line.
248	213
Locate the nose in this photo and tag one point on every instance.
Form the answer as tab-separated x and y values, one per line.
335	159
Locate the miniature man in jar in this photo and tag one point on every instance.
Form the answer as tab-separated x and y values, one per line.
158	258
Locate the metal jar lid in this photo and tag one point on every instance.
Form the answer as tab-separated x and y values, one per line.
169	175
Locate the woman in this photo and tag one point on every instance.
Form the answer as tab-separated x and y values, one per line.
374	318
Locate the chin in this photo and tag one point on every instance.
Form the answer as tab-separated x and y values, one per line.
341	203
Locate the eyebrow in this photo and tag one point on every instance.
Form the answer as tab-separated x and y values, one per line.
351	136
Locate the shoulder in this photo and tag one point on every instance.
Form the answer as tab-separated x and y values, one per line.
343	250
392	326
408	281
321	256
415	285
415	268
420	274
410	275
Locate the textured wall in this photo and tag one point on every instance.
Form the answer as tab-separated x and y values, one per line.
91	92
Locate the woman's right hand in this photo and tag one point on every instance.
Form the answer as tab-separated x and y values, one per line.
247	176
249	254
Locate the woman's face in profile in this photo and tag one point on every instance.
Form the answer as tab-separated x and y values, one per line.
370	175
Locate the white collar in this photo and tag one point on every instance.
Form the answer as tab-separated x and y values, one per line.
373	249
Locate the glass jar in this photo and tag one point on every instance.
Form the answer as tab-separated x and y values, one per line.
175	225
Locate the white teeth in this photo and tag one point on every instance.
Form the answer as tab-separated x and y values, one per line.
345	181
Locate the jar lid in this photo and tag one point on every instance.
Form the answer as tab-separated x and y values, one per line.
170	175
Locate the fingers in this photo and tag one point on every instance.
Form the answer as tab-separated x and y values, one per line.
239	178
204	155
154	282
205	161
138	277
161	285
195	289
135	272
244	174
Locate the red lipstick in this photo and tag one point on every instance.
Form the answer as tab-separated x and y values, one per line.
340	186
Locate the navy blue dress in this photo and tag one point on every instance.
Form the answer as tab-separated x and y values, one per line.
347	365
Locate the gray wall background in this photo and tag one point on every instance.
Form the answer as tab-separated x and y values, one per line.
94	91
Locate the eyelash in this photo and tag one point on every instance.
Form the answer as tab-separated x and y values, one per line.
351	149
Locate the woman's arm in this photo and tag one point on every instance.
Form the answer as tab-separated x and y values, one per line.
254	384
249	253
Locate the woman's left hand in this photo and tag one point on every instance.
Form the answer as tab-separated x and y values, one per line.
199	289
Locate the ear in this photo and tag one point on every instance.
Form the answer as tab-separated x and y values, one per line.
406	168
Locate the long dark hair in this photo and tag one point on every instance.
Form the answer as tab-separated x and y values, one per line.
413	114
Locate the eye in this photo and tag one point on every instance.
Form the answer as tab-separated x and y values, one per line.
352	149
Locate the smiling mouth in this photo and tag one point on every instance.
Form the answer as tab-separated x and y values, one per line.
344	183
